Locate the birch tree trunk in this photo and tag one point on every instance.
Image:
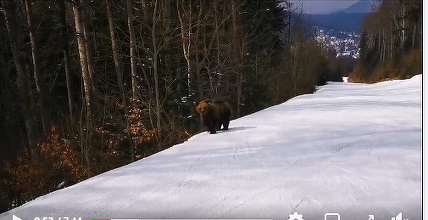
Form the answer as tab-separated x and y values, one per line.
85	144
217	20
132	48
237	51
84	13
403	25
155	70
196	47
185	29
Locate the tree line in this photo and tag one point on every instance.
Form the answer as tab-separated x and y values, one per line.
87	86
391	42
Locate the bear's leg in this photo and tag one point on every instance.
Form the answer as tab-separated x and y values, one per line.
212	130
218	125
226	125
212	127
208	125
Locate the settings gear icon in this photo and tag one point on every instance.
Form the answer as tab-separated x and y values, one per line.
295	216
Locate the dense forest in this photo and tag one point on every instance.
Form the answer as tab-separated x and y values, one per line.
391	42
87	86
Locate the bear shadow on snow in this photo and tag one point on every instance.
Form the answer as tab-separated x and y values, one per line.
239	128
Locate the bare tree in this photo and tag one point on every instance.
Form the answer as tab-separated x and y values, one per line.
132	48
155	66
87	84
85	19
66	53
36	68
118	70
186	35
14	22
238	51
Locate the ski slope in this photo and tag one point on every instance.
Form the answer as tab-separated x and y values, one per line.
351	149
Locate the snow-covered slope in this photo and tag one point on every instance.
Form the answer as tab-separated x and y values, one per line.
352	149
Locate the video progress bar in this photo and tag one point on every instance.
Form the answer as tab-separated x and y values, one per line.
182	219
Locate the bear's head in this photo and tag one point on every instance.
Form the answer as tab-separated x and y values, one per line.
202	107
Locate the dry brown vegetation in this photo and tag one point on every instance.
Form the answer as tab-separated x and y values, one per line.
87	86
408	66
391	43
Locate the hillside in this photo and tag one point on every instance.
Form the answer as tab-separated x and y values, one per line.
340	21
354	149
348	19
362	6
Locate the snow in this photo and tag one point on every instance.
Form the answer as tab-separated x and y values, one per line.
352	149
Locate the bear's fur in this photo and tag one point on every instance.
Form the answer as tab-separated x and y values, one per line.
214	114
225	114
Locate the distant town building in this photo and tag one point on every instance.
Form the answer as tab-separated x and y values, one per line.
344	43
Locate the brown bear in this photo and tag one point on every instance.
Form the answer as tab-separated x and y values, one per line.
214	114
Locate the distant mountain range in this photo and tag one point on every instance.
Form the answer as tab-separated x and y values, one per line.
339	21
348	19
362	6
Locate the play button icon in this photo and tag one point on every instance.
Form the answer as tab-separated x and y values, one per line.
16	218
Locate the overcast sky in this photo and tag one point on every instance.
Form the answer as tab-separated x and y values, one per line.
323	6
